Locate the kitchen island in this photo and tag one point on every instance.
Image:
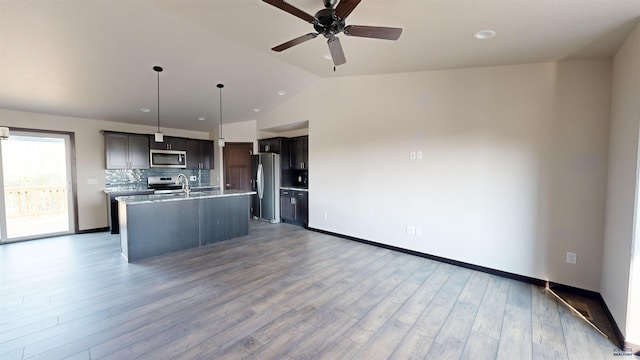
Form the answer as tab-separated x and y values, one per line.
152	225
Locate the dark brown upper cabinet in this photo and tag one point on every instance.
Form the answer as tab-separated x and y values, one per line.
199	154
168	143
299	153
126	151
277	145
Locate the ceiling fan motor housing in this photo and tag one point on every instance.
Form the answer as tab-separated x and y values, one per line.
327	23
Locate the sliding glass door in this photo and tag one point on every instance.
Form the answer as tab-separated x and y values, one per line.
37	200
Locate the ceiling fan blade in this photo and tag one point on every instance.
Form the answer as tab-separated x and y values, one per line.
336	51
291	10
377	32
294	42
345	7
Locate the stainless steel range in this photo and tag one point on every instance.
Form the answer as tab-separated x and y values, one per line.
163	184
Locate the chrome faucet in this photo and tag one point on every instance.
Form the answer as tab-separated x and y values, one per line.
185	184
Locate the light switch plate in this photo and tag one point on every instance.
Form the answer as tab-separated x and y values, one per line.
572	257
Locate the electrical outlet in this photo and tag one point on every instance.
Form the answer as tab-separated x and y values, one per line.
325	215
193	178
418	231
572	258
411	230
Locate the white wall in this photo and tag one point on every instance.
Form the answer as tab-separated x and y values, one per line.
622	186
513	170
90	158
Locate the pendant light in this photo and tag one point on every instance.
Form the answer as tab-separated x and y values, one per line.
220	139
158	135
4	132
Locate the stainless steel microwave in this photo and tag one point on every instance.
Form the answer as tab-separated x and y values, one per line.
168	159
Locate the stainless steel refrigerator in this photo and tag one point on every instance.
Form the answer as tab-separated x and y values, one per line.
265	168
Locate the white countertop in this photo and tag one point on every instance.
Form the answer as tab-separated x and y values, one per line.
291	188
139	188
155	198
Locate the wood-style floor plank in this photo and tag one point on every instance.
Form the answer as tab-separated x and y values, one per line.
516	337
282	292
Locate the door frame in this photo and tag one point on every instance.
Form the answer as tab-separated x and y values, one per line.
71	152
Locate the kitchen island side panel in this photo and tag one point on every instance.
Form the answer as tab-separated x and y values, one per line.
213	216
223	218
157	229
238	217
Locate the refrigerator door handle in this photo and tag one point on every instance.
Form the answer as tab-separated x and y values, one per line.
260	181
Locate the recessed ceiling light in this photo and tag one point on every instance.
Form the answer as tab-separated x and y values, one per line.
202	118
484	34
143	109
328	57
282	92
256	110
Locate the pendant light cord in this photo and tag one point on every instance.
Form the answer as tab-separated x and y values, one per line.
158	70
220	86
158	101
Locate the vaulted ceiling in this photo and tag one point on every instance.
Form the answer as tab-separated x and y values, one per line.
94	59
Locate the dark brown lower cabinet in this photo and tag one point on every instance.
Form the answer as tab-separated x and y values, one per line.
294	206
302	207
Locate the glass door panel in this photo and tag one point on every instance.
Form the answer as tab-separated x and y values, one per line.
36	177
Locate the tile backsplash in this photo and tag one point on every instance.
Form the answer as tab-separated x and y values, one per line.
138	177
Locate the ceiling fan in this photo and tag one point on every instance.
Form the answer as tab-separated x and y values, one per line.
330	22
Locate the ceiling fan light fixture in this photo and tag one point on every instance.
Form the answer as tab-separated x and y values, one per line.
484	34
158	136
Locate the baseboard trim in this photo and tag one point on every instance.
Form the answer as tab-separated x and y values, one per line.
619	340
487	270
575	291
90	231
